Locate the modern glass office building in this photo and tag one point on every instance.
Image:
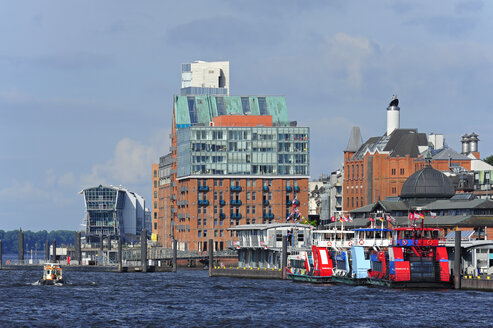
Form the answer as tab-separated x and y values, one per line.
114	211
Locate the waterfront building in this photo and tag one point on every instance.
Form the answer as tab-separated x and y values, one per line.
113	212
430	192
378	168
233	160
205	78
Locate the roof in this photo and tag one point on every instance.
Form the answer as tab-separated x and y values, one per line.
447	204
401	142
448	153
355	140
427	183
269	226
190	110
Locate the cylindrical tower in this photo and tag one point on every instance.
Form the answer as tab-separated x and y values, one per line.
465	144
393	115
473	143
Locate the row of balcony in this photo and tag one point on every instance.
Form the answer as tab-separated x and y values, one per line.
234	202
238	188
233	215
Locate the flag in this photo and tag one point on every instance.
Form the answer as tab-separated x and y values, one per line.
380	218
422	215
350	218
433	215
390	219
333	218
372	219
411	216
340	219
417	216
345	218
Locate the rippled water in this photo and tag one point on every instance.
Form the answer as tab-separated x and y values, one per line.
191	298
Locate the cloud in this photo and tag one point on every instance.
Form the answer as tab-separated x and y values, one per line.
67	179
74	61
131	162
450	26
469	6
224	31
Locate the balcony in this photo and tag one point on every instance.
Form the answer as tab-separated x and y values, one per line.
289	189
203	188
265	188
173	197
235	202
235	188
203	202
268	215
222	202
236	216
183	189
296	189
222	215
265	202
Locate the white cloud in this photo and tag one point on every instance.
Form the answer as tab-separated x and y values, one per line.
131	162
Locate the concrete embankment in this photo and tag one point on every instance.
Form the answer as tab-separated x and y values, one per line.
247	273
477	283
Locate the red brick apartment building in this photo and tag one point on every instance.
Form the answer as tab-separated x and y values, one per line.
234	160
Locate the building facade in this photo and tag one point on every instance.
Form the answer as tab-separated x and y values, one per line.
113	212
378	168
205	78
234	160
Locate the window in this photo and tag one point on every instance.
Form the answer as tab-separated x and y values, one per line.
199	233
155	183
199	210
205	223
393	171
402	171
253	183
357	202
253	209
221	195
199	221
248	195
205	233
253	195
155	173
221	233
155	225
155	204
215	233
215	194
394	190
220	182
357	171
155	194
352	202
155	215
205	210
215	182
215	209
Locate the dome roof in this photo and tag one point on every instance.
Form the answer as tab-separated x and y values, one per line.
427	183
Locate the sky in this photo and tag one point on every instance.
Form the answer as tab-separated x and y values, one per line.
86	86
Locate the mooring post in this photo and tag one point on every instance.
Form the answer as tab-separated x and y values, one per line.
1	255
47	251
21	246
77	251
120	255
175	253
54	251
211	257
457	260
143	250
284	261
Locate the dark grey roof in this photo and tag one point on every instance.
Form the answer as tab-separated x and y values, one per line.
446	204
401	142
446	153
427	183
464	196
355	140
404	142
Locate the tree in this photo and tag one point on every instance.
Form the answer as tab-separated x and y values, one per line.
489	159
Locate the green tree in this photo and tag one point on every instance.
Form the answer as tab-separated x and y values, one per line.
489	159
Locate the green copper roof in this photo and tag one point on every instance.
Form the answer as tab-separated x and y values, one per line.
191	110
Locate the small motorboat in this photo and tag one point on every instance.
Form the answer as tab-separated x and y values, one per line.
52	275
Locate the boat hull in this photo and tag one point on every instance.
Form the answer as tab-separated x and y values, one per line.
409	284
310	279
349	281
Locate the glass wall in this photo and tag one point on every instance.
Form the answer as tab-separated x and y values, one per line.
243	151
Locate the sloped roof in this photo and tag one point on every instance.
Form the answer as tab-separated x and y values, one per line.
427	183
446	153
355	140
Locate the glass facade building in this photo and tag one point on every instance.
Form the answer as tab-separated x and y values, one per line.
243	151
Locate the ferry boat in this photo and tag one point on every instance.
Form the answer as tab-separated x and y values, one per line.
415	259
52	275
320	265
314	267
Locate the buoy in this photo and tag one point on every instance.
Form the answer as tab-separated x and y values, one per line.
361	242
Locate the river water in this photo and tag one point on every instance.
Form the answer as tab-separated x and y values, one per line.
189	298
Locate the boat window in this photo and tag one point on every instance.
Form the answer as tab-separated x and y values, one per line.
278	235
300	236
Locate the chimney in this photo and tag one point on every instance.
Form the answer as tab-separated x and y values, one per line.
465	144
393	115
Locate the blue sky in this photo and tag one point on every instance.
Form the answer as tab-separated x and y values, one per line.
86	86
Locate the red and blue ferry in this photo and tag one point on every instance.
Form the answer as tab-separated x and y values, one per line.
415	259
